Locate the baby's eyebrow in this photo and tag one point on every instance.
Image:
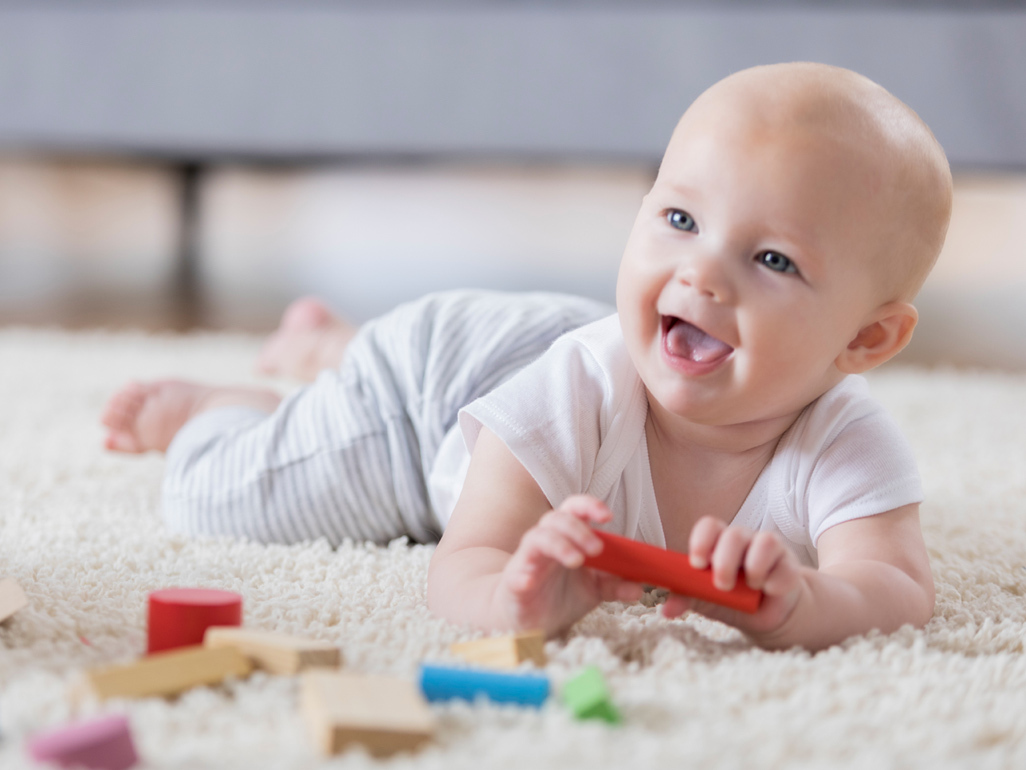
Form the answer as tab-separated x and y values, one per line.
685	190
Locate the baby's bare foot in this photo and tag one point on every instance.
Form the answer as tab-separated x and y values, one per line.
310	338
147	415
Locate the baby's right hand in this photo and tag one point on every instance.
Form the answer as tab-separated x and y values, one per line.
543	581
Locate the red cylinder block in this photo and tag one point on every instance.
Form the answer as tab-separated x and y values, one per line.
178	617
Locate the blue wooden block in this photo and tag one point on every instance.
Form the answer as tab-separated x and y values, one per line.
447	682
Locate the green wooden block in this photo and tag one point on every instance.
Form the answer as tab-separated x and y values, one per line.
588	697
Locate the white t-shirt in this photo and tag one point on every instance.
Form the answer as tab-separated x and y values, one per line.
575	419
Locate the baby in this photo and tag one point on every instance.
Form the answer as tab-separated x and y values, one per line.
718	411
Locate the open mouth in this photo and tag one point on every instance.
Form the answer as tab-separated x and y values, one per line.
686	341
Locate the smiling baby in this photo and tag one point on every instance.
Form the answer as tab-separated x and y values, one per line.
718	411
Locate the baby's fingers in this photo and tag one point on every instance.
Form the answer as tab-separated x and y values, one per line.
614	589
764	553
573	529
702	541
676	605
728	556
586	508
769	567
548	543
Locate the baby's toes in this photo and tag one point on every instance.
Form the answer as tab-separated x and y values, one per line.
122	408
123	441
306	314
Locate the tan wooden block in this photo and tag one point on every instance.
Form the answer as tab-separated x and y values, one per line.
383	714
277	653
167	673
504	651
12	598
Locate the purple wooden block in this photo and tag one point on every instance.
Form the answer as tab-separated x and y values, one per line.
104	744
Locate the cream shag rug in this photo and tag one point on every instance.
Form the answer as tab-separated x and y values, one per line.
80	530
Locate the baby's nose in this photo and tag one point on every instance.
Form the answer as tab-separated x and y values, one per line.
706	274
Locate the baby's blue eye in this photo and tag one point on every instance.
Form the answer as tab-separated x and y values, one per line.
682	220
774	260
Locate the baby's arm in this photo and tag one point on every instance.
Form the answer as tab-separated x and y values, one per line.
874	572
508	560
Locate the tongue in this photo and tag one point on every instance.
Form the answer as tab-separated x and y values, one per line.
687	341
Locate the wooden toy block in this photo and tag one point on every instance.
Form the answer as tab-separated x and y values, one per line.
12	598
384	715
588	697
447	682
104	744
504	651
167	673
644	563
277	653
178	617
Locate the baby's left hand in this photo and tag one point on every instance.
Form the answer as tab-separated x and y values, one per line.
768	567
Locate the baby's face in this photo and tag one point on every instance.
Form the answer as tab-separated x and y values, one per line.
749	268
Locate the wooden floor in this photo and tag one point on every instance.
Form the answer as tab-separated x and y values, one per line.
164	310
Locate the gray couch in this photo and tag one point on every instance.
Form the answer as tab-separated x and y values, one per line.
251	79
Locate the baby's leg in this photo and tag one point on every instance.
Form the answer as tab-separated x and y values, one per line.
309	338
349	455
337	459
325	463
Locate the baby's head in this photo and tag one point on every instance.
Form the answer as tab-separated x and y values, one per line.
797	211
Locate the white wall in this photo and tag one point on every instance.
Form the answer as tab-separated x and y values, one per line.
367	239
973	306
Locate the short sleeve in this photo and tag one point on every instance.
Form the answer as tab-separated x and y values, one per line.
863	466
548	416
572	418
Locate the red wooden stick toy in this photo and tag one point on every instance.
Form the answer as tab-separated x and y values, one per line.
644	563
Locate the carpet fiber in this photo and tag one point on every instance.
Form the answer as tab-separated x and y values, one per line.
80	530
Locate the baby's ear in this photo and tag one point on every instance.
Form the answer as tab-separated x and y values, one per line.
886	331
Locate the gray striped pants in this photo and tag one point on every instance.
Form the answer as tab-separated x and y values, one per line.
348	455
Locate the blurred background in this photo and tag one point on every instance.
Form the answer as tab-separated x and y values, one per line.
179	165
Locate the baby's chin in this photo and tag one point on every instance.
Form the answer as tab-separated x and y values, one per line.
721	403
